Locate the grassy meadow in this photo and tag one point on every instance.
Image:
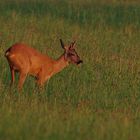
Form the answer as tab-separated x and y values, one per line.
99	100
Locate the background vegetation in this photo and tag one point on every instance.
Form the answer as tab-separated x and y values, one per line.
99	100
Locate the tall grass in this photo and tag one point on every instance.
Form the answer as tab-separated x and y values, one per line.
98	100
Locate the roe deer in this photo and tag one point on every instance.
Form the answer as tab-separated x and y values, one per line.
28	61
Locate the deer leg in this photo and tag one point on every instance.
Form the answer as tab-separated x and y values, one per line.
22	78
40	78
40	82
12	76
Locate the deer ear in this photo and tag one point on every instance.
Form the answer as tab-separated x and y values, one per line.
62	44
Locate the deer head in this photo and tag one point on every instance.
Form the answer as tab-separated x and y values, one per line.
70	53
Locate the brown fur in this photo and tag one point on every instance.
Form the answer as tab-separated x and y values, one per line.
28	61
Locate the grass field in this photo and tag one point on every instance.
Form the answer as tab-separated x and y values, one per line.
100	100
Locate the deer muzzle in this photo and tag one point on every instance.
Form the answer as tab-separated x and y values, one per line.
80	61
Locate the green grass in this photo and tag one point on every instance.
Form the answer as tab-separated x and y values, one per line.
99	100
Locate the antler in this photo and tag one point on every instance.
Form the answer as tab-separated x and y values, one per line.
72	45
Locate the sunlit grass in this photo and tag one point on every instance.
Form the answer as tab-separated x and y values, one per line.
98	100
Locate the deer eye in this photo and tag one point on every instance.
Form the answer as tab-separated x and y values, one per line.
72	54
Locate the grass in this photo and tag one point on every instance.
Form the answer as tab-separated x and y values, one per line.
99	100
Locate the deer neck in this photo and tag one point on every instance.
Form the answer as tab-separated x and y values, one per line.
60	64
